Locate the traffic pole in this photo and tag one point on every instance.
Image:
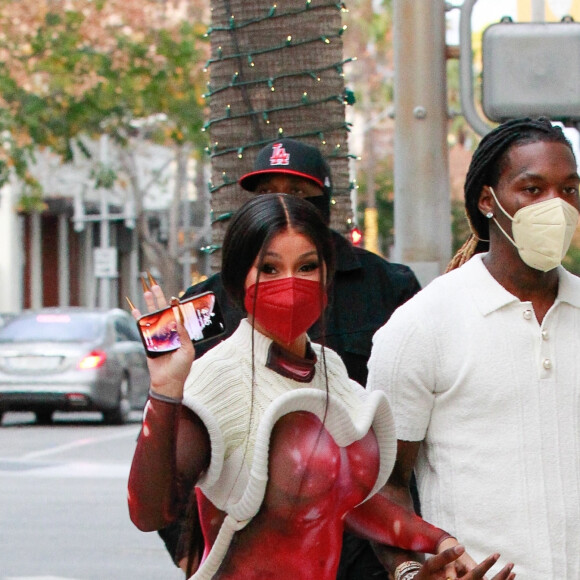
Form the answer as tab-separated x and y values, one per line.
421	165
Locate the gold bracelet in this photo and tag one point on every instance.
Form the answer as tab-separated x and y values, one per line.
407	570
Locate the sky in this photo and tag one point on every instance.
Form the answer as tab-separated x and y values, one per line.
484	12
488	11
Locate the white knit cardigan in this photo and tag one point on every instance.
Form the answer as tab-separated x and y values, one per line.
240	420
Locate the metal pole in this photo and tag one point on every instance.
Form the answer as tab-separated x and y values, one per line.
466	71
90	288
63	262
183	190
422	191
134	263
36	286
104	283
538	11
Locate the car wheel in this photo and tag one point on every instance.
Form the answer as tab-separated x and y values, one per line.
120	414
44	417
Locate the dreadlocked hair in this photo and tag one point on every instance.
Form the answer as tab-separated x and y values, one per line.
485	168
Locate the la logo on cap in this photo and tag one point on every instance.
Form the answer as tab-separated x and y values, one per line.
279	155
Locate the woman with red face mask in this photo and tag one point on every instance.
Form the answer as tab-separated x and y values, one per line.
283	450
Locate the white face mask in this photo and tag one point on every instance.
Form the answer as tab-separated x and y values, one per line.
542	231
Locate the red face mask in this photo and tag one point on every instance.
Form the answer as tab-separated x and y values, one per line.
286	307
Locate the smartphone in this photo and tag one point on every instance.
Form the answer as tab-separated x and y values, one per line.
202	319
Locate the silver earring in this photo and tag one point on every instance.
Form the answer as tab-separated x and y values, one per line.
489	215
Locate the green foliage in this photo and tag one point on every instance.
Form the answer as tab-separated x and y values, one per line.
386	209
14	159
58	84
384	199
103	176
31	200
459	225
572	259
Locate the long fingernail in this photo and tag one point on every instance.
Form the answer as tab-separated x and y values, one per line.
175	303
144	284
131	305
152	281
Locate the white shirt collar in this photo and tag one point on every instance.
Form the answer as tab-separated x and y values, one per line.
490	295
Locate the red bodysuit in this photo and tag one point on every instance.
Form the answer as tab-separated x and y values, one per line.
301	489
313	484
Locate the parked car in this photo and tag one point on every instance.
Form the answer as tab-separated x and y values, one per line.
72	359
5	317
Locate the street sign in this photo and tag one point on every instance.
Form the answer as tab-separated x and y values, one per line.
105	260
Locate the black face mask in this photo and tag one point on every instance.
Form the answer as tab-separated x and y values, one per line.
322	204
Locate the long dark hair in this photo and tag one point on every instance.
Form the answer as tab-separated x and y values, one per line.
248	236
486	166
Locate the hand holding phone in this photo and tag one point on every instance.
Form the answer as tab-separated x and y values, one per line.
201	317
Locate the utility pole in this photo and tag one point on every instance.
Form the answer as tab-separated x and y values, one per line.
105	257
105	253
421	167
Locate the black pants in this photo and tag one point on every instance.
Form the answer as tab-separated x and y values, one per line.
358	561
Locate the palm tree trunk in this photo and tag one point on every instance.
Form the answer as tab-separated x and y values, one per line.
274	71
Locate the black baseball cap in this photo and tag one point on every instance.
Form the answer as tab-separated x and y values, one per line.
293	157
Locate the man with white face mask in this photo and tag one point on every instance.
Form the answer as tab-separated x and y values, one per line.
542	232
482	367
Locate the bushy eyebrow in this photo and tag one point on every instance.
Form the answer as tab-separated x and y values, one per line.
531	175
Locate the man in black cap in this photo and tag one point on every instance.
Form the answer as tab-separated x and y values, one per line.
365	292
293	167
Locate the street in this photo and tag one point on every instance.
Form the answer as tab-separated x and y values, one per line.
63	508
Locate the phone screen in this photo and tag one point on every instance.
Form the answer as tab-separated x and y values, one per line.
202	319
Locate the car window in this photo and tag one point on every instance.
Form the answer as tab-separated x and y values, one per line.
5	317
53	327
126	329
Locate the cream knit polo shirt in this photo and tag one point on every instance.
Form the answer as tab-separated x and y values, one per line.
495	397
